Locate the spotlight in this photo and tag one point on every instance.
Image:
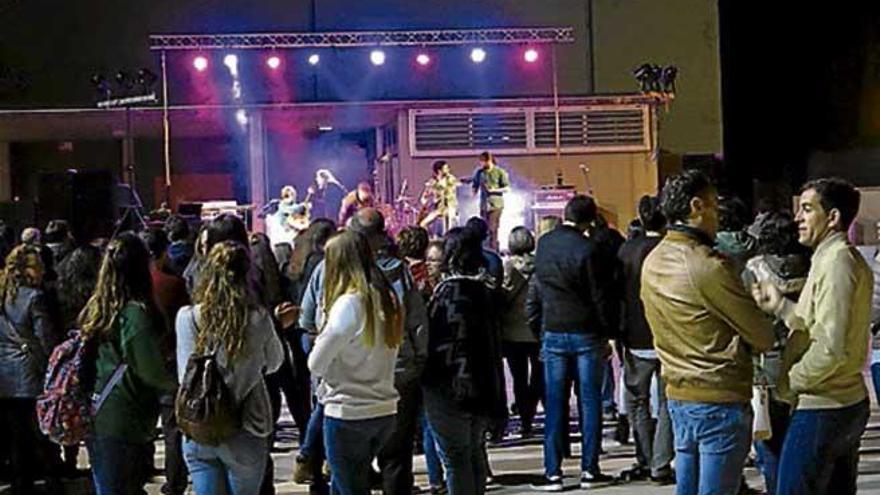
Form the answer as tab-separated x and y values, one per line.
241	117
314	59
123	80
667	79
200	63
102	86
423	59
648	77
377	57
273	62
531	55
146	78
231	62
478	55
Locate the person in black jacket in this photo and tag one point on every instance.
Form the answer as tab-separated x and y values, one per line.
577	313
463	381
654	448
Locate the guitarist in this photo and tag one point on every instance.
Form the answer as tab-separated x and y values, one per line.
293	215
439	201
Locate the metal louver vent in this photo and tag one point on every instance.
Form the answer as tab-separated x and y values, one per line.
611	129
469	132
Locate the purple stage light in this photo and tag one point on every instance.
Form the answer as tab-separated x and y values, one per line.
478	55
377	57
314	59
531	55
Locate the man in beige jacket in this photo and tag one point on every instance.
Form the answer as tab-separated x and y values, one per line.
706	327
828	342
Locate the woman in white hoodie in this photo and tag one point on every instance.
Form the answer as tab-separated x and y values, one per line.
354	355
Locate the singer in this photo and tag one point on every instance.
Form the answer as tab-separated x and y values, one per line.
327	195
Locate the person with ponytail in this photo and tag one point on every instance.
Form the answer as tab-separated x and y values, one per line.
355	355
121	320
225	319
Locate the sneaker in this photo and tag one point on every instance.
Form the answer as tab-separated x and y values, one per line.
438	489
303	470
595	480
549	484
635	473
665	479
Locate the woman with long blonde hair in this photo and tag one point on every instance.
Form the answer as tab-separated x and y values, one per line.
354	355
121	319
27	337
226	320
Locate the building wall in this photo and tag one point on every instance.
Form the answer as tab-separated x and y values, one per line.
683	33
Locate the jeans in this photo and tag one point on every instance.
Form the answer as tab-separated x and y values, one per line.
175	468
432	458
609	404
821	451
351	446
528	378
117	466
460	436
585	352
711	444
235	467
396	456
653	438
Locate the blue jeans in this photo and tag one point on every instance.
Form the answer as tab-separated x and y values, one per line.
432	458
585	353
609	402
117	466
459	437
313	442
711	444
351	446
235	467
821	451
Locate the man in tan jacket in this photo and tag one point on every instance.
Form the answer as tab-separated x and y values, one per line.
828	341
706	327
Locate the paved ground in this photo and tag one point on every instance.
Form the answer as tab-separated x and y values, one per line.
517	463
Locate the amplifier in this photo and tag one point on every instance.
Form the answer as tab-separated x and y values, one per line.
552	196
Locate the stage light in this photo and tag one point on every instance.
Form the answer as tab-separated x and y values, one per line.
231	62
531	55
314	59
273	62
200	63
423	59
377	57
478	55
325	128
146	79
241	117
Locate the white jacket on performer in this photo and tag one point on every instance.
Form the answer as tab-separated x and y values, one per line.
357	381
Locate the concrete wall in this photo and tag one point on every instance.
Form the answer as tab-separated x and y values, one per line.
683	33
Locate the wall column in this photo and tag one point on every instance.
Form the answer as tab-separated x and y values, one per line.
257	167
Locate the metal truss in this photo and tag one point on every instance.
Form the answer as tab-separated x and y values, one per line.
446	37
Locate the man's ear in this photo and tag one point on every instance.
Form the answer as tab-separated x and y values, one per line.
835	220
696	204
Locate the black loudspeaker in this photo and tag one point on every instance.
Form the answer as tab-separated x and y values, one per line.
83	198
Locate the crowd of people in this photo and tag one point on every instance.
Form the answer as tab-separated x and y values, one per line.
733	333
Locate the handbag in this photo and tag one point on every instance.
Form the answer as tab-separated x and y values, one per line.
761	427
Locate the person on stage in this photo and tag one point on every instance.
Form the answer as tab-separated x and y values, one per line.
327	194
440	199
362	197
491	182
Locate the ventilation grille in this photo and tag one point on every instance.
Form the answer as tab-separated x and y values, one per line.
591	129
470	131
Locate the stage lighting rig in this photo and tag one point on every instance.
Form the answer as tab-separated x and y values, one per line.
667	79
648	77
130	88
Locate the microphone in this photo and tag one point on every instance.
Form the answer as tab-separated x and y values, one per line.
403	187
584	167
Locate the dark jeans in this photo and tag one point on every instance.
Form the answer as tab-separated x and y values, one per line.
711	444
30	453
396	457
769	451
821	451
351	447
313	444
432	458
460	436
585	352
523	360
175	467
117	466
653	437
292	379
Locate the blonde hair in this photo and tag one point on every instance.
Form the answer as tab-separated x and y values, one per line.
15	275
349	269
222	293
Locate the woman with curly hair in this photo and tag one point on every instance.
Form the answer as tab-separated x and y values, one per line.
121	319
27	337
226	319
355	355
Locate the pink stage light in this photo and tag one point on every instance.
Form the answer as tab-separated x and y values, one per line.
423	59
531	55
200	63
273	62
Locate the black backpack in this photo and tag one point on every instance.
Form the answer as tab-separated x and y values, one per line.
205	408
